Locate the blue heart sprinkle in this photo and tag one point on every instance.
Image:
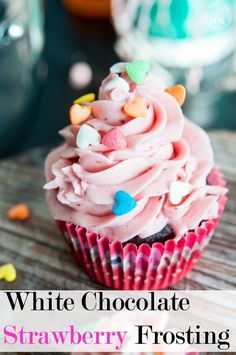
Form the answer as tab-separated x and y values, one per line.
124	203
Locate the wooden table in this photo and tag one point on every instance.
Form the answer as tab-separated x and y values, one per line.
42	258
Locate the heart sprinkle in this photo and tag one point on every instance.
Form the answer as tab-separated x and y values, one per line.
85	98
118	67
137	70
178	92
19	212
124	203
178	190
86	136
79	114
114	139
8	273
136	107
117	83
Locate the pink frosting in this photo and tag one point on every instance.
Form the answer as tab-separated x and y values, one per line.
161	148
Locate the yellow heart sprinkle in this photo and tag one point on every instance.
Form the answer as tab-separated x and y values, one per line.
85	98
8	272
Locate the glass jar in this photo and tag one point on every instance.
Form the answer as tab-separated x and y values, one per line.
187	41
21	43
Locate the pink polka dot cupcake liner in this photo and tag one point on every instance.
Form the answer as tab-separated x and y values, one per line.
141	268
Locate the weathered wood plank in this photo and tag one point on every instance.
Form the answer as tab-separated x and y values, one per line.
42	259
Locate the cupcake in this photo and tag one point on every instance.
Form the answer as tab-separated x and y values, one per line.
134	189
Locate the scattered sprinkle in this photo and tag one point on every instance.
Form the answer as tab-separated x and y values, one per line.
136	107
114	139
19	212
79	114
90	97
124	203
178	92
8	272
178	190
137	70
86	136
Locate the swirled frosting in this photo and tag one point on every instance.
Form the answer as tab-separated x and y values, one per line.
161	148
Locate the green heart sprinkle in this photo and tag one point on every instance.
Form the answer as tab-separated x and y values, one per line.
137	70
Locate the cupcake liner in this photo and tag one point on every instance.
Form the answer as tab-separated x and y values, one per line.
144	267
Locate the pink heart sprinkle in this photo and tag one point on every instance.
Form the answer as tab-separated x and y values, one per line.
114	139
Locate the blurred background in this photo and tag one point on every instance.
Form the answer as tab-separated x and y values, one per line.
53	51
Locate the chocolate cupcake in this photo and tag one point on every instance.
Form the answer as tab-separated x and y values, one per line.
129	187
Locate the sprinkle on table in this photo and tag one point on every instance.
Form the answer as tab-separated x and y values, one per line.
19	212
8	272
